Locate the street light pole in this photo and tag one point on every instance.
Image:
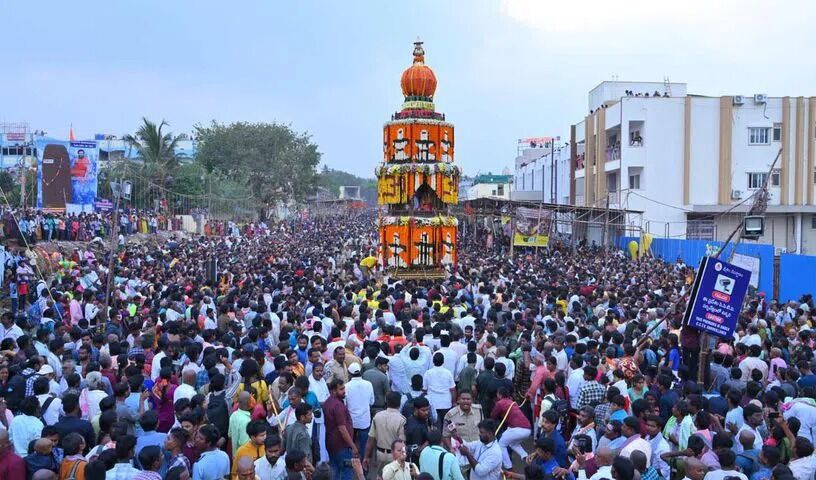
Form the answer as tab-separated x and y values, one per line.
112	246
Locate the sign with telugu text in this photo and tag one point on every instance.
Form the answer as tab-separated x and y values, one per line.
716	297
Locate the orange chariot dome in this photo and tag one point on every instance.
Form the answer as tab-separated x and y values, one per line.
418	80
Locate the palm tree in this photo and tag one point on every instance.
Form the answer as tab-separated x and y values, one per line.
157	149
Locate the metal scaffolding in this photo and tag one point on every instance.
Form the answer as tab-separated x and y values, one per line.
569	224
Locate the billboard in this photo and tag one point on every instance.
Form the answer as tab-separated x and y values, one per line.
716	297
532	227
67	175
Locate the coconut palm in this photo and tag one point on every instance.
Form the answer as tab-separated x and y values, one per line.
157	150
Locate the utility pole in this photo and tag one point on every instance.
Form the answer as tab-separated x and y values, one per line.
552	170
112	246
758	207
606	226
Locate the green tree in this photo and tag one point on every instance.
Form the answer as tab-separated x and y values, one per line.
275	163
11	188
156	148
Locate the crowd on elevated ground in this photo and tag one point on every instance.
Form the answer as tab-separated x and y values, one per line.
294	361
32	226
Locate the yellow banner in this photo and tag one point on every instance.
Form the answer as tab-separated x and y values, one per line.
521	240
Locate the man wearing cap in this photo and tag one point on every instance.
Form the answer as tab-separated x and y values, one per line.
359	399
378	378
386	427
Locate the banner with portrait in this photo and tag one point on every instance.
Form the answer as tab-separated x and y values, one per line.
532	227
67	175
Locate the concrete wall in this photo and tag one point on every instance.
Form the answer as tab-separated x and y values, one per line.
692	251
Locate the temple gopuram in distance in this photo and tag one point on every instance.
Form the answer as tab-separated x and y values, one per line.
417	182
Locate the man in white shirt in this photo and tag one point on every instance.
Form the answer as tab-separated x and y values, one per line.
359	399
462	363
631	430
804	466
654	428
484	456
25	427
752	415
50	405
561	361
575	380
501	357
465	321
438	384
603	458
451	356
727	469
155	365
753	362
187	388
804	410
272	464
9	329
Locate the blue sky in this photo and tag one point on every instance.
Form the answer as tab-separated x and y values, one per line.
507	68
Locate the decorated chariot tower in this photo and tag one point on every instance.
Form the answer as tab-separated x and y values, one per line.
417	181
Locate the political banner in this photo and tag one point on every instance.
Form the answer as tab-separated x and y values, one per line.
532	227
716	297
67	175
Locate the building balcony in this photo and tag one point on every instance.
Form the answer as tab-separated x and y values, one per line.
613	153
614	198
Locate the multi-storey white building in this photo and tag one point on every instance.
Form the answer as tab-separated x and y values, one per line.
692	163
542	171
490	186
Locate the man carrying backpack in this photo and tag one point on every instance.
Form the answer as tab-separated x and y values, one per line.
407	408
21	385
434	459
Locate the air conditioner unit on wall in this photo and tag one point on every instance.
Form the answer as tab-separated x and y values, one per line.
736	194
780	250
760	98
738	100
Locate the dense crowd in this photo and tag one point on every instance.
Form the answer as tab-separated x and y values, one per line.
34	226
294	361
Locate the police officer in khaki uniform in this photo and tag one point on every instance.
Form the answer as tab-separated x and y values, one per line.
386	426
462	422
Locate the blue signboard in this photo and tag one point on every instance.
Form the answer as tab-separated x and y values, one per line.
103	205
716	297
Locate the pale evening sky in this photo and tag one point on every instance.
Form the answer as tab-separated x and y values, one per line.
506	68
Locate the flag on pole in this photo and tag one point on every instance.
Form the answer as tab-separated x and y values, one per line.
71	133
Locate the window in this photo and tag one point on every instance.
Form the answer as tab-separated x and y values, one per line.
635	140
493	192
777	132
634	182
12	151
500	189
776	176
813	222
758	136
756	180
